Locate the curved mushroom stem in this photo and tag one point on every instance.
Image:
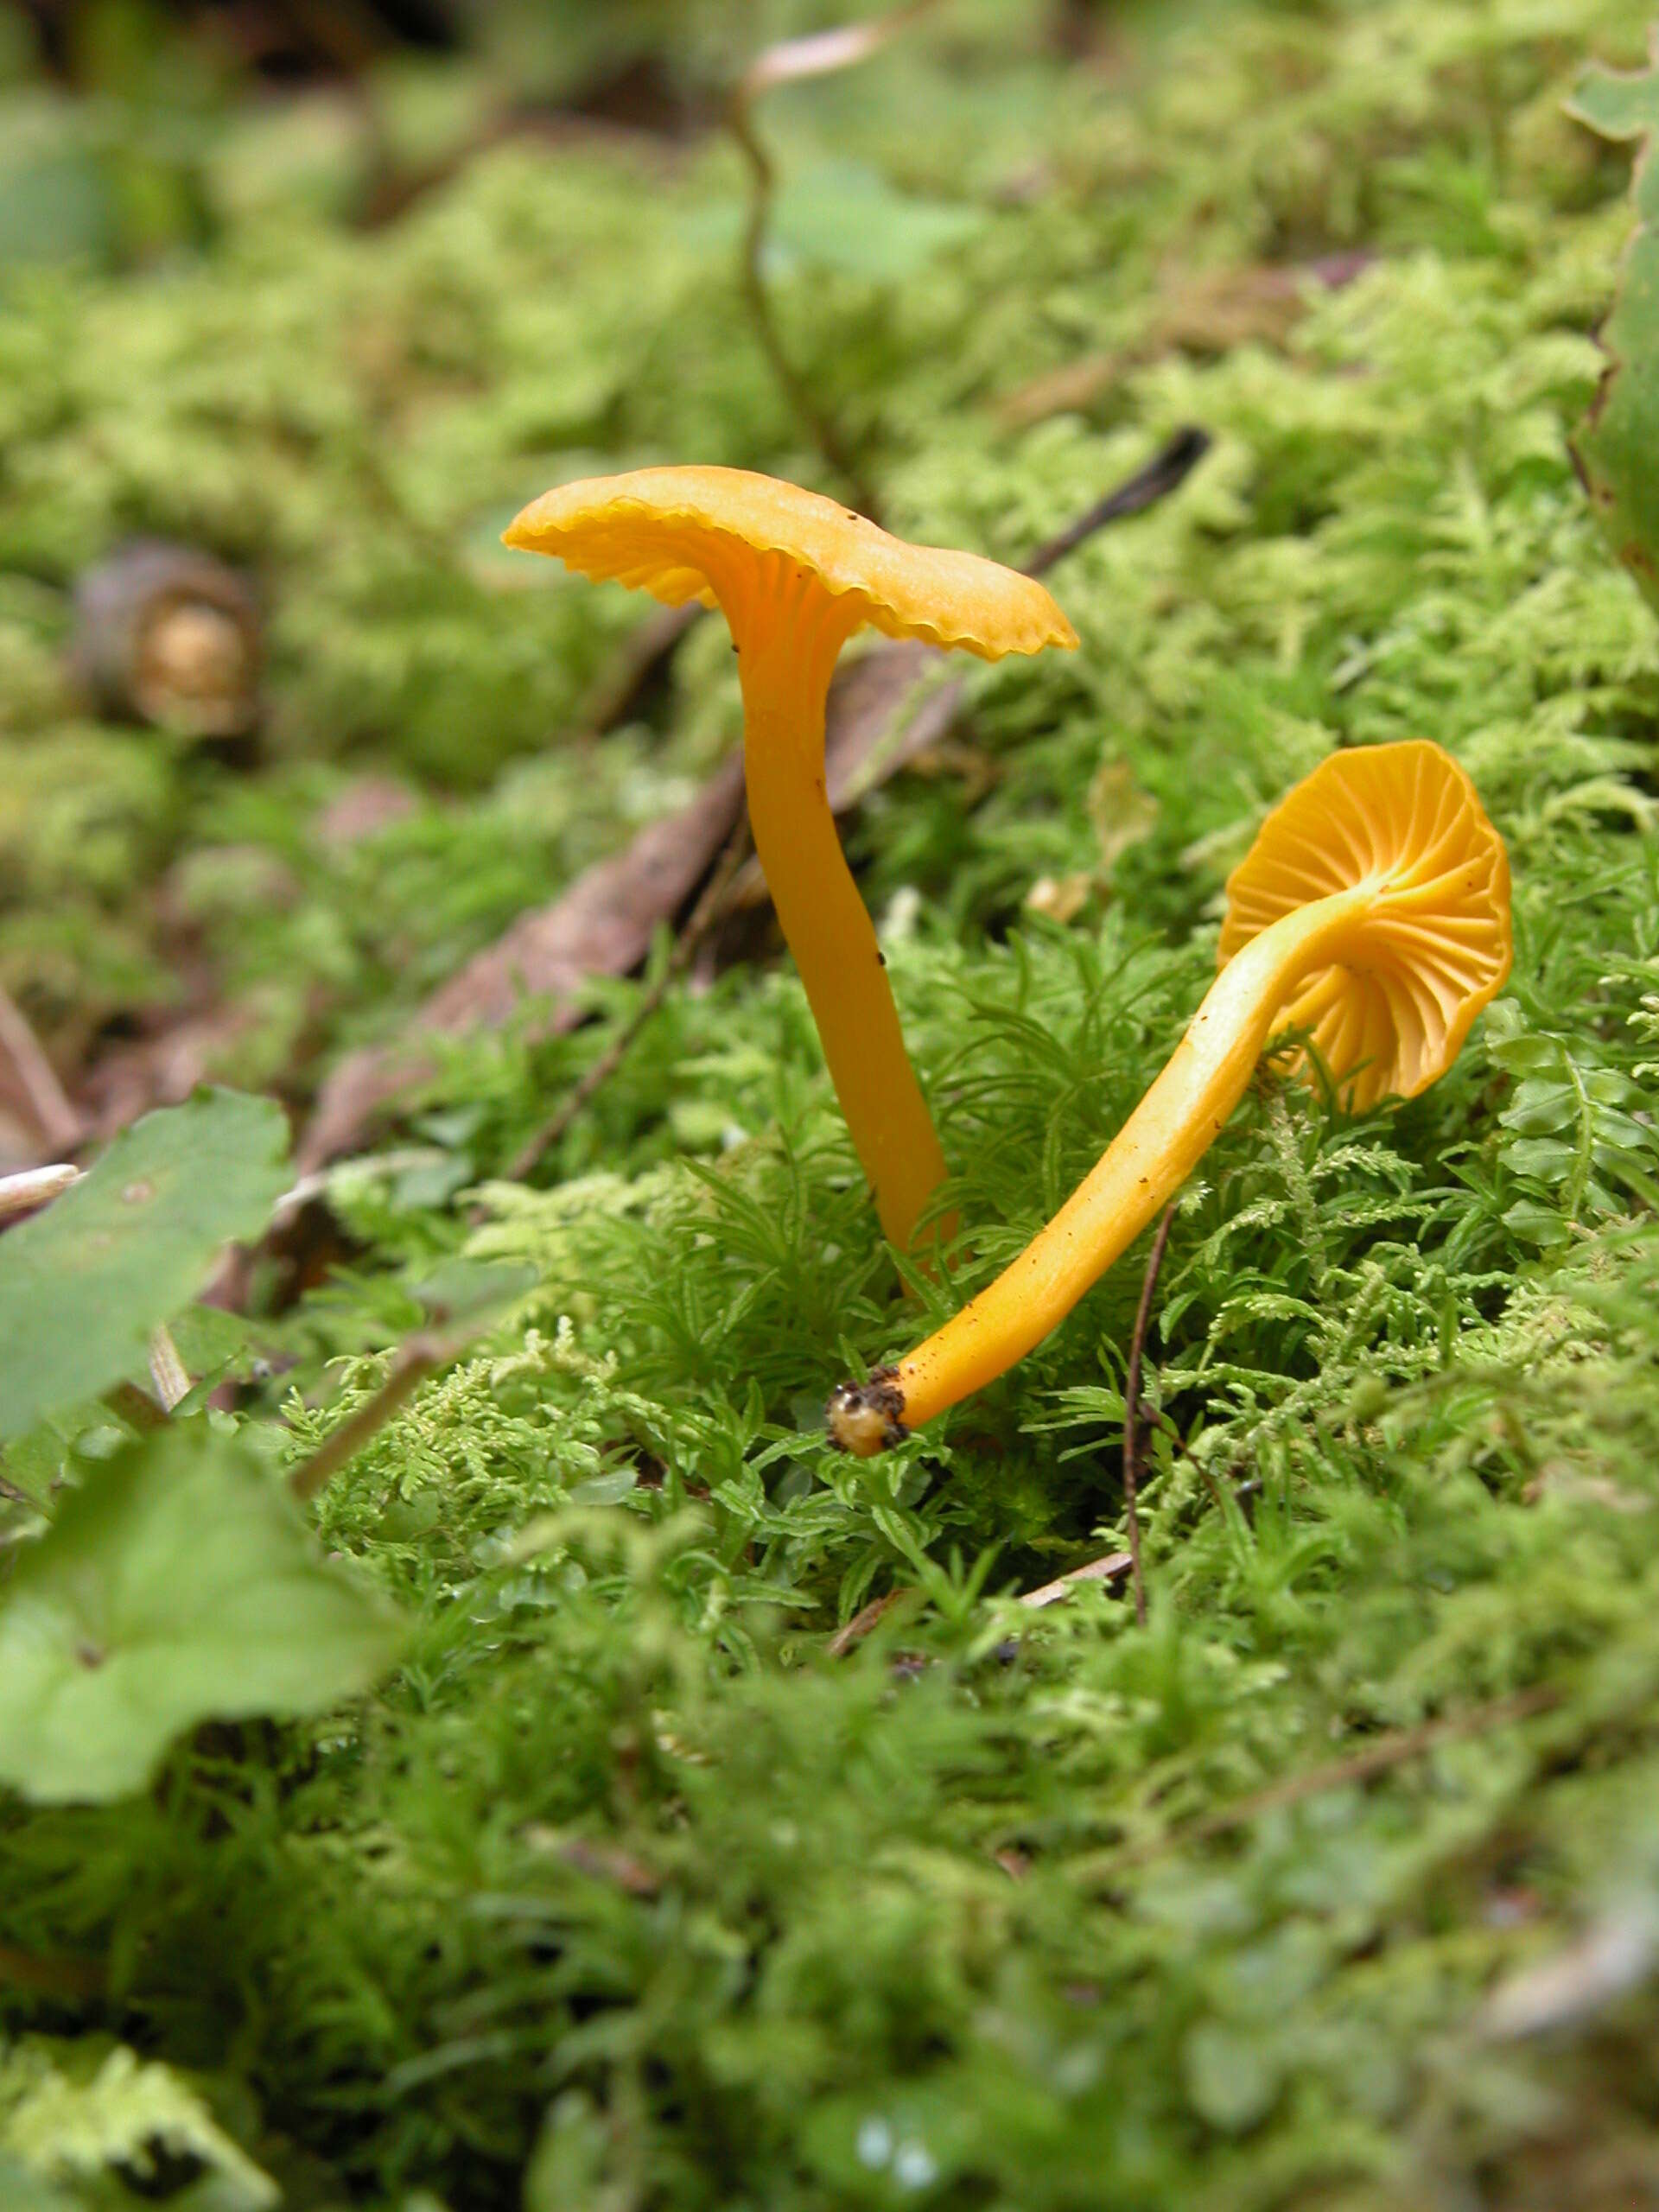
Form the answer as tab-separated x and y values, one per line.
788	637
1140	1172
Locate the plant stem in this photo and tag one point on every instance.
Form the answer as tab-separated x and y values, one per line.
1132	1409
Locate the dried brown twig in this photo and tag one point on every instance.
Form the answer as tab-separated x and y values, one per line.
1097	1570
854	1632
416	1358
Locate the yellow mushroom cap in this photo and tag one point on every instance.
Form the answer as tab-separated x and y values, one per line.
1388	1019
679	532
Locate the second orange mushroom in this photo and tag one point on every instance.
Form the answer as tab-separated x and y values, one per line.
1373	913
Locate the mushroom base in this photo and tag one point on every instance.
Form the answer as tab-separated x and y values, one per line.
868	1418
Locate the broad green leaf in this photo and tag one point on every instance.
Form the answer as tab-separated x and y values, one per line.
845	217
94	2114
1618	446
83	1283
842	216
180	1585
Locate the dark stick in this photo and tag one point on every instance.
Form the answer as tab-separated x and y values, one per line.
703	917
1132	1408
1163	474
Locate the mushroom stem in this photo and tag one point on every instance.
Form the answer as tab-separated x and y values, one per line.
785	669
1135	1178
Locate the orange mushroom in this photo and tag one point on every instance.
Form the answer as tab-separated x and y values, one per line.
1372	913
795	575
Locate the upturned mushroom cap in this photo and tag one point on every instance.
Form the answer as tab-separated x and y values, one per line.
694	533
1387	1019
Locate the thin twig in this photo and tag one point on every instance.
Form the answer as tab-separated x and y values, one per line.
414	1360
854	1630
819	426
703	916
37	1079
1378	1757
1132	1409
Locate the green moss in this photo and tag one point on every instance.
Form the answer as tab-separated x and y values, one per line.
623	1891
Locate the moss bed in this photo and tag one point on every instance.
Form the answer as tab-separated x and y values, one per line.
1336	1885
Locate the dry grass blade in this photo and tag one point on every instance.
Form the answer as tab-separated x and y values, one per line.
1098	1570
821	53
167	1372
34	1188
414	1360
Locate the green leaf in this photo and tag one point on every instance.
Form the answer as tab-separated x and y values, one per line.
84	1283
844	217
180	1585
1618	446
95	2113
